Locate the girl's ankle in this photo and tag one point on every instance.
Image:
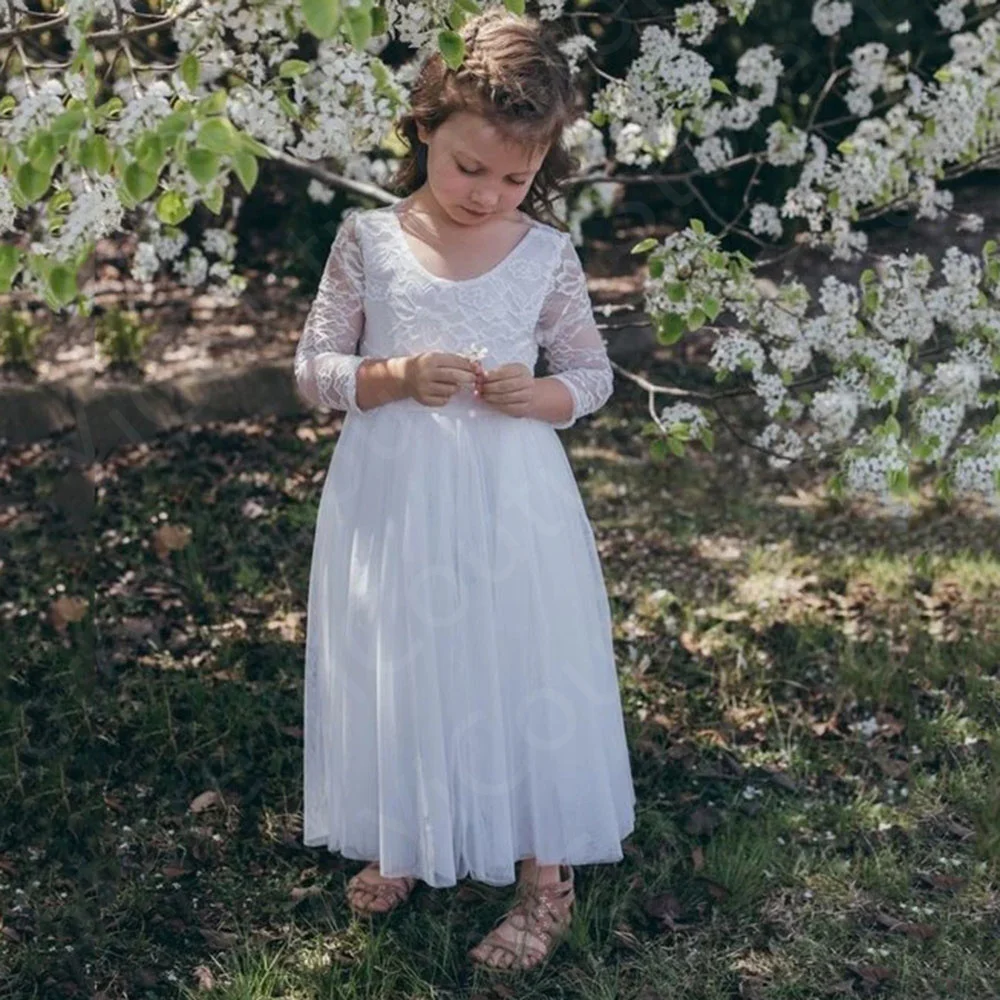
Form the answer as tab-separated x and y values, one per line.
535	875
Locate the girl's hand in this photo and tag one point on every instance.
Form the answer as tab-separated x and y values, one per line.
510	388
433	377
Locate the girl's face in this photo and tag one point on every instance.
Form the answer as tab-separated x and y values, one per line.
472	168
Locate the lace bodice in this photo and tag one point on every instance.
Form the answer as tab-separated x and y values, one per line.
375	299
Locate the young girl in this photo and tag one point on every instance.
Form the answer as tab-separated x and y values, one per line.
462	710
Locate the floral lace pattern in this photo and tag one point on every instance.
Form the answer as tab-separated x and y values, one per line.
375	299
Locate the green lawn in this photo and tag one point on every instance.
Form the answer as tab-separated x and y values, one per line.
812	698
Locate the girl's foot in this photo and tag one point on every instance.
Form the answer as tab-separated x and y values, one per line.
371	892
532	929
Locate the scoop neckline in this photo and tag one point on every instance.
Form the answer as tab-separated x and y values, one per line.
408	250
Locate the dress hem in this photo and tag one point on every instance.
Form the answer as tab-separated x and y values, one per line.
319	841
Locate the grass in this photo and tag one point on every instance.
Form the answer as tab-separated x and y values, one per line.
811	696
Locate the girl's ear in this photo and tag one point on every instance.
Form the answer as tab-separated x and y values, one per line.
422	133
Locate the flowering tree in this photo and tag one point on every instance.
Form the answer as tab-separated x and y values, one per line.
121	117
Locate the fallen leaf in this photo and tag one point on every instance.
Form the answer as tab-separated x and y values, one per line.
697	859
218	939
941	881
957	830
173	871
205	801
704	819
718	892
871	974
664	906
678	751
782	780
892	767
626	936
844	986
170	538
203	977
305	892
65	609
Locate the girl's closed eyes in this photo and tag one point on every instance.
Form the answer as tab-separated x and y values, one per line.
472	173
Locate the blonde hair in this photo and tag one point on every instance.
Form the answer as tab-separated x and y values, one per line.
515	76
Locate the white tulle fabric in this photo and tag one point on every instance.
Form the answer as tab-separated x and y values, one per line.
461	706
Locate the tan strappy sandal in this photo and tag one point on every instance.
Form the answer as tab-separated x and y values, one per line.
541	918
379	894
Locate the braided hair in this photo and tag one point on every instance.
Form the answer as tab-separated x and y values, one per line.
516	77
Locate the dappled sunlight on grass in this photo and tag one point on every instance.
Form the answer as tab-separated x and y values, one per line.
812	701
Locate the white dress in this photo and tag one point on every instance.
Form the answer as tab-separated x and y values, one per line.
461	706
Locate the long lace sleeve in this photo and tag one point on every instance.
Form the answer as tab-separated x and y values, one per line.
325	361
573	344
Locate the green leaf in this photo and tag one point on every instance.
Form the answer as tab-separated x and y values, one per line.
452	48
190	71
359	25
203	165
67	123
248	144
697	226
213	104
292	68
173	208
899	482
31	183
218	135
514	6
457	16
708	438
677	291
643	245
696	318
380	21
10	262
149	151
720	86
42	151
246	169
173	126
95	154
213	198
322	17
656	266
470	5
670	329
676	446
139	183
61	282
711	307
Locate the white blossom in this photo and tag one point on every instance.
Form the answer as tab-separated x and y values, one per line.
765	220
829	16
713	153
696	21
786	144
951	15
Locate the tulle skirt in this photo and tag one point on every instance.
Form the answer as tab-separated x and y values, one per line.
461	707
